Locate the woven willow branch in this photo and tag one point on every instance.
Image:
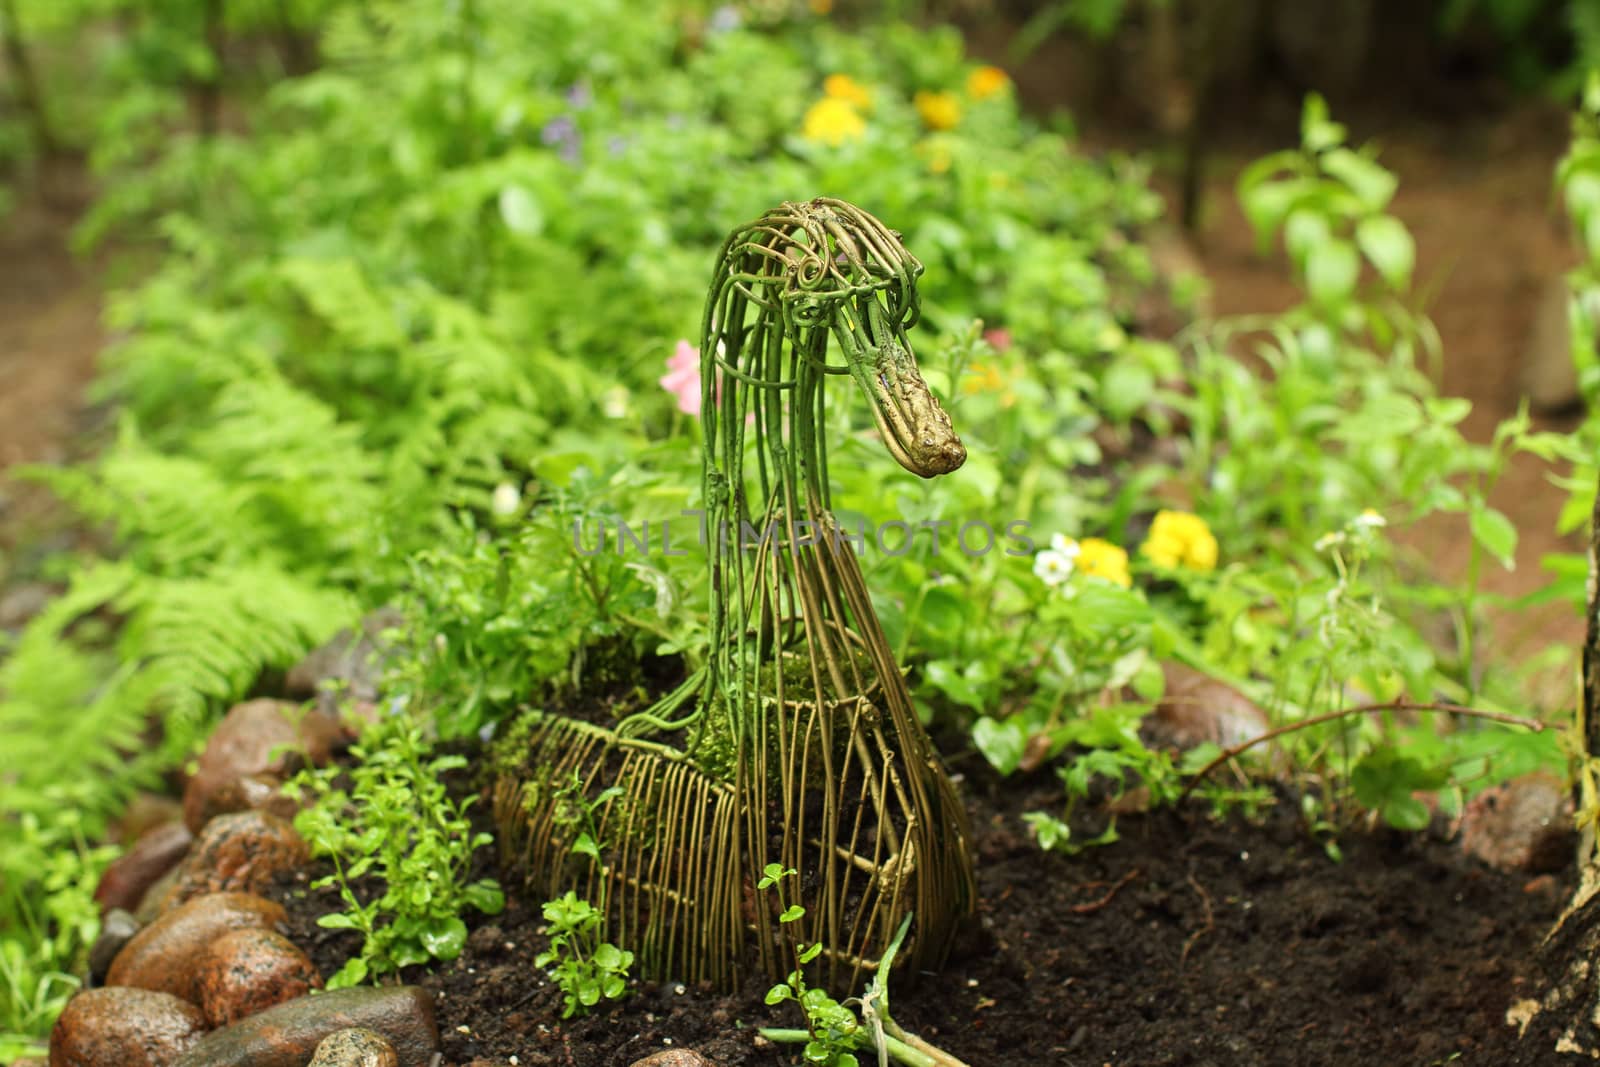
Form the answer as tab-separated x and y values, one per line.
798	742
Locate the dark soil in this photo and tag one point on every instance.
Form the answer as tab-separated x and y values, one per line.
1189	941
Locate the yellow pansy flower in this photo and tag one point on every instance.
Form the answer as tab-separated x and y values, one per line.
939	111
1179	539
1102	559
988	378
986	82
833	121
843	87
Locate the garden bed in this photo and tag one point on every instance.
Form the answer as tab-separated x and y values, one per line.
1188	941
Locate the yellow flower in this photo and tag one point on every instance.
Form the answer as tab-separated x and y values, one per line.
833	121
1179	539
986	82
1104	560
988	378
843	87
939	111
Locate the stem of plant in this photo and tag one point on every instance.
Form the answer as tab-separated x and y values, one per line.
1363	709
899	1050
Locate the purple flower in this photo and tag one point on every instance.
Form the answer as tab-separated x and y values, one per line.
580	95
560	130
617	145
724	19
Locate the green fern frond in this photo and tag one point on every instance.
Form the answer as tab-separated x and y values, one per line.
201	642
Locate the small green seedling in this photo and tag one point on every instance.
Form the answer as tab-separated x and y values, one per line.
586	968
835	1031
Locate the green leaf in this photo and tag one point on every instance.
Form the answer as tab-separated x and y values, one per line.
353	973
792	913
1318	132
1002	742
585	846
1372	185
1126	389
1304	230
445	938
338	921
520	211
1388	245
811	953
777	994
1495	533
1331	272
486	896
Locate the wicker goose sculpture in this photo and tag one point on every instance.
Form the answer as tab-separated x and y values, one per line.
797	742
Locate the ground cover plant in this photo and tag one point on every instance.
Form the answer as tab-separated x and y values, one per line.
417	327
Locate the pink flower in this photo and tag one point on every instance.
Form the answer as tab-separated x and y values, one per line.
682	379
999	338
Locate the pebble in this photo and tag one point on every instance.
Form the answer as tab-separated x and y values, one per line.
252	792
120	1027
674	1057
246	971
355	661
237	853
272	737
355	1047
155	898
144	812
116	930
130	875
164	955
1521	825
1196	708
288	1035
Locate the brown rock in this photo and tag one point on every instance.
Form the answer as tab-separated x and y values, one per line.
164	955
116	930
674	1057
288	1035
355	1047
1196	708
130	875
237	853
154	904
1521	825
144	813
246	971
253	792
273	737
124	1028
347	668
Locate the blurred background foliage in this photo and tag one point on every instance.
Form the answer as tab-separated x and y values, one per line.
400	279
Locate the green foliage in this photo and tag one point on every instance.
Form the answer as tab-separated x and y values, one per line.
391	344
586	968
395	827
835	1030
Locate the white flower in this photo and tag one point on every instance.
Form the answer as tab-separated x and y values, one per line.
1369	520
615	402
1053	566
1327	541
507	499
1065	545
